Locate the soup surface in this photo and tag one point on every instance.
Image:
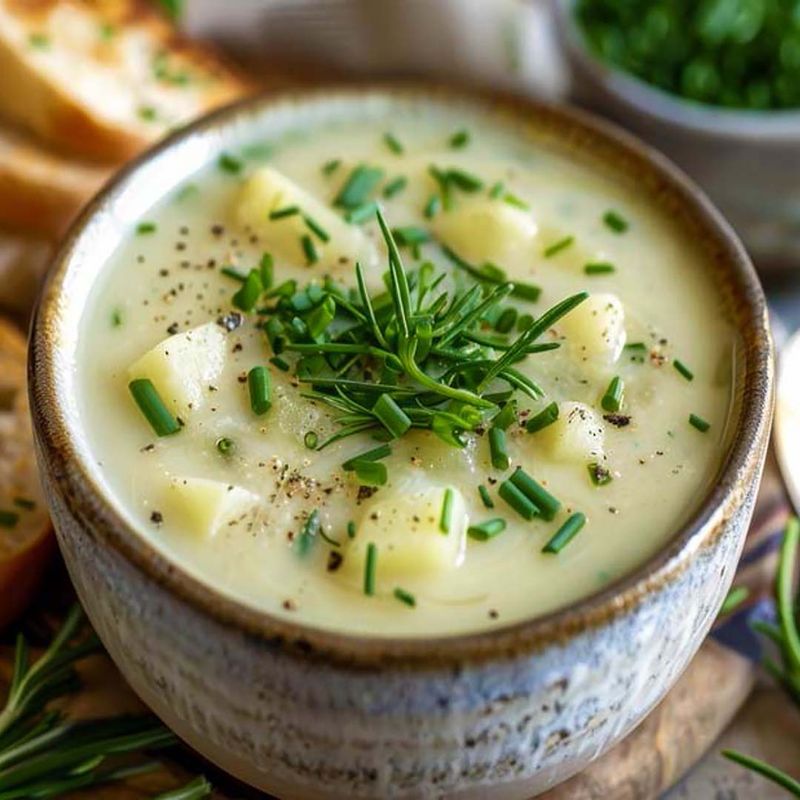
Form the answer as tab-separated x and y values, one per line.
448	456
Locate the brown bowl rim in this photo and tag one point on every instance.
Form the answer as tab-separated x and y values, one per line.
85	502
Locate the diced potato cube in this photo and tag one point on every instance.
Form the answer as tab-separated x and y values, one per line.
268	190
201	507
577	434
482	230
183	366
596	328
404	524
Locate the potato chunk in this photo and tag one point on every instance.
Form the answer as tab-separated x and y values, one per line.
201	507
487	230
268	190
596	328
184	365
404	524
577	434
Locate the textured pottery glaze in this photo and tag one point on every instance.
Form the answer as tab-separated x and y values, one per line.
305	713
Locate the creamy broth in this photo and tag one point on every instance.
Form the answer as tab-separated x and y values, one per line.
229	495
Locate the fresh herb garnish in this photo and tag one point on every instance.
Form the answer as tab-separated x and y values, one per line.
225	445
405	597
143	228
564	535
152	407
545	503
599	474
484	531
547	416
599	268
698	422
683	370
522	504
558	246
260	390
358	186
395	186
311	440
614	221
285	211
230	163
370	568
614	395
459	139
329	167
393	143
309	250
432	206
498	449
305	540
446	516
486	498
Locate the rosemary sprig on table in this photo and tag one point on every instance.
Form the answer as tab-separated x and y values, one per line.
410	357
43	754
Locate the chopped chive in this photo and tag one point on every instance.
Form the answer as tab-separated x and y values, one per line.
599	474
463	180
153	408
370	567
309	250
147	113
351	530
362	213
393	143
565	533
8	519
432	206
225	445
232	272
395	186
446	517
329	167
496	190
393	418
116	318
282	365
311	528
358	186
331	541
143	228
599	268
547	416
637	350
699	423
410	235
557	247
370	473
248	295
515	201
311	440
506	416
376	454
683	369
24	502
547	504
266	268
229	163
459	139
316	228
736	596
526	291
259	384
497	448
506	320
485	496
517	500
320	317
405	597
286	211
612	399
484	531
524	321
615	221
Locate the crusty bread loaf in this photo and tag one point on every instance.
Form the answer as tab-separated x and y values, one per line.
23	263
103	79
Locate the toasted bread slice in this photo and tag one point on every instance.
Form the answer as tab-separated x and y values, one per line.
103	79
41	191
23	263
25	530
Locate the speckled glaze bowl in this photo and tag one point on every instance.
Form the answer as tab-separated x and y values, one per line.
305	713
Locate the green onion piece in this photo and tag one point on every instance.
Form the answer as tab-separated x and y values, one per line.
683	369
486	530
515	201
258	381
615	221
496	190
358	186
612	399
266	270
282	365
698	422
506	416
308	534
394	419
736	596
599	474
231	272
405	597
225	445
565	533
311	440
309	249
8	519
393	143
376	454
316	228
329	167
497	448
411	235
370	473
547	504
319	318
24	502
517	500
351	530
526	291
395	186
229	163
524	321
557	247
637	350
459	139
247	297
282	213
506	320
116	318
599	268
370	567
463	180
547	416
153	408
362	213
485	496
432	206
146	227
446	517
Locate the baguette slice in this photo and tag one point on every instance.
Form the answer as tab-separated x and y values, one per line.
26	540
23	263
103	79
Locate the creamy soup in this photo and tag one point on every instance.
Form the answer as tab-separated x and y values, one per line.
522	399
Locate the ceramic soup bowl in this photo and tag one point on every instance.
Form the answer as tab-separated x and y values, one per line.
301	712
